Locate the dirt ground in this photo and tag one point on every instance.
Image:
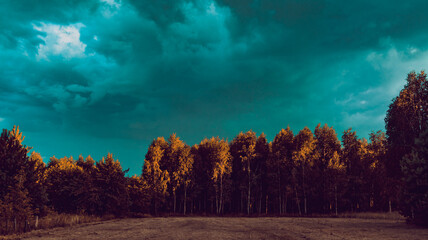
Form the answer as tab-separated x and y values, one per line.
236	228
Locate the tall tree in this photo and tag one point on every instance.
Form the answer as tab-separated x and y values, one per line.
282	165
64	182
110	179
415	174
14	162
178	162
153	176
353	156
138	194
13	158
16	203
379	181
243	150
183	174
326	151
406	119
216	153
90	193
303	160
34	182
260	170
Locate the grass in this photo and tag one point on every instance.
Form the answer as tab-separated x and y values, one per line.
53	220
65	220
373	215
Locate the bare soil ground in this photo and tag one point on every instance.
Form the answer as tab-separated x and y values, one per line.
236	228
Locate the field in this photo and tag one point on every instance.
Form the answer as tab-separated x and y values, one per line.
236	228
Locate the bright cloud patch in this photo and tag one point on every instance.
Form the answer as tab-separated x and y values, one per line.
60	41
111	7
113	3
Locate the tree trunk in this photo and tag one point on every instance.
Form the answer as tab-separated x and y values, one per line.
304	190
185	199
156	208
335	196
285	205
390	206
216	201
175	200
260	202
249	189
279	192
297	201
266	204
221	193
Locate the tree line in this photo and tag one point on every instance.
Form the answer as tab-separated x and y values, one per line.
303	173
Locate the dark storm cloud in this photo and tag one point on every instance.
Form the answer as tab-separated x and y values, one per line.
118	73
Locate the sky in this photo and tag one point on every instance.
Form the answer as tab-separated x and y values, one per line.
98	76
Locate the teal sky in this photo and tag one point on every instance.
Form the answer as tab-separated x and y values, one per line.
98	76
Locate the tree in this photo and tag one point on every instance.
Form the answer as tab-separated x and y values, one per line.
260	171
138	194
415	175
14	162
281	165
178	161
303	160
110	180
326	152
13	158
16	203
89	199
243	150
64	183
34	182
406	119
183	175
170	163
353	155
215	153
153	176
379	181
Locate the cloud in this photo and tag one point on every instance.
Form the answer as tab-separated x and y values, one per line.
132	70
60	41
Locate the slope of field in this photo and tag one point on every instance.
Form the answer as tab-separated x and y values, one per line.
236	228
